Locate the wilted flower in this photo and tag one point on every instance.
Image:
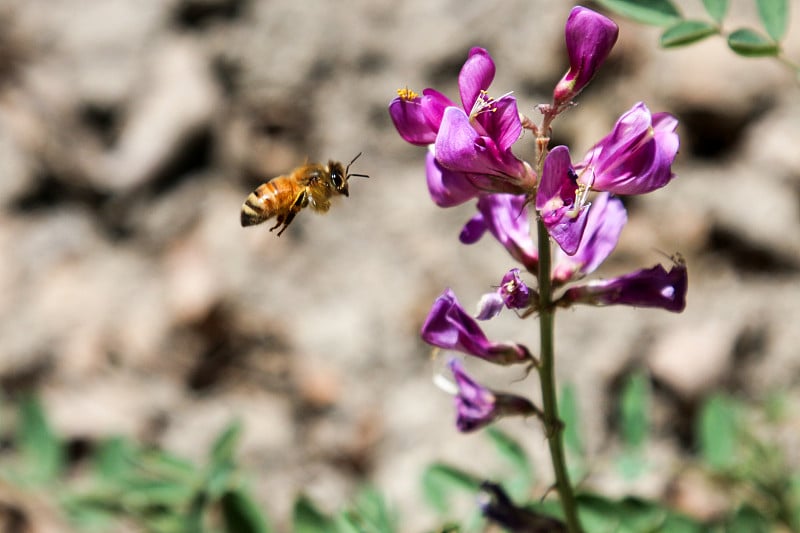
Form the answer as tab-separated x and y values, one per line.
636	157
478	406
448	326
604	225
653	287
505	216
559	201
590	37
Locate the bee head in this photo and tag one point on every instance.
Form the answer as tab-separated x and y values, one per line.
339	177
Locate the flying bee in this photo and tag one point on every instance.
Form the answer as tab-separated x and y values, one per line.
312	184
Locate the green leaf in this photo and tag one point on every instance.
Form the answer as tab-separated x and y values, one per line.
161	464
634	407
718	431
774	15
372	513
570	416
306	518
41	450
509	449
716	9
748	520
631	464
653	12
520	482
440	480
749	43
686	32
225	444
114	459
240	514
144	493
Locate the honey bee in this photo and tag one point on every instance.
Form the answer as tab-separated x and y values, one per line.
312	184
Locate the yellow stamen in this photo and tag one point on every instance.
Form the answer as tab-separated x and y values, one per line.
406	94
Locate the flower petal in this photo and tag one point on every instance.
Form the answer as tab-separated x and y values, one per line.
476	75
604	225
555	201
590	37
636	157
409	118
448	326
447	187
653	287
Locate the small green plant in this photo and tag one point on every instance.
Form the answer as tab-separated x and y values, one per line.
773	16
154	489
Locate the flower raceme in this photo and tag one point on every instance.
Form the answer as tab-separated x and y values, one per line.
472	142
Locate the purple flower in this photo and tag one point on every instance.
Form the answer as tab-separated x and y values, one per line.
448	326
417	118
604	224
512	293
506	218
636	157
558	202
477	406
472	142
590	37
446	187
653	287
487	160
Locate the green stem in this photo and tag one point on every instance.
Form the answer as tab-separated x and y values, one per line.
554	429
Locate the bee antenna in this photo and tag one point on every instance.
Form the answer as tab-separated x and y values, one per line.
347	169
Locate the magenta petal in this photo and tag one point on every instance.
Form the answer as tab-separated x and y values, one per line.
411	123
590	37
461	148
476	75
557	186
506	218
448	326
503	124
636	157
653	287
555	201
434	103
604	225
475	404
473	230
490	306
567	229
458	145
447	188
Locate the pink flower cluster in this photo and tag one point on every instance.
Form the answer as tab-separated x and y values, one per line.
470	157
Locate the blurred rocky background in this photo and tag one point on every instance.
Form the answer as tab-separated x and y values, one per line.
133	303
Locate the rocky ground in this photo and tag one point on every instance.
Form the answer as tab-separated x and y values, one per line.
134	304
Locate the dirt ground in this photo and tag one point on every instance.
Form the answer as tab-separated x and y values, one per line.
135	304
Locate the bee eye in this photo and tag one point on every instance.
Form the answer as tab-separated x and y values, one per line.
337	180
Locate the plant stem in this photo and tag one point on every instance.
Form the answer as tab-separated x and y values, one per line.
554	428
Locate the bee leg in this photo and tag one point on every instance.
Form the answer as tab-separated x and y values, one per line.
278	223
299	203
